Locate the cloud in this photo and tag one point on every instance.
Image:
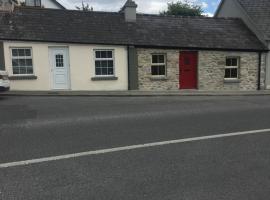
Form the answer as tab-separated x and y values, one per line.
204	5
208	14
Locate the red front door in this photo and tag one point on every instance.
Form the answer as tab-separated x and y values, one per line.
188	69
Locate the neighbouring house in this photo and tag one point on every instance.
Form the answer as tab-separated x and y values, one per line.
49	49
256	15
44	3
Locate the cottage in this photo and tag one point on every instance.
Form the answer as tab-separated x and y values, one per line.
49	49
256	15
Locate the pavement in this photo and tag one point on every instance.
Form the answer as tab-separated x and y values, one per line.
36	127
138	93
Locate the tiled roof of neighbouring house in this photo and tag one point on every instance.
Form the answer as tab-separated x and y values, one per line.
66	26
259	12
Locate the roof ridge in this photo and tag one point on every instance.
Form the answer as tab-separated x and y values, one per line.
192	17
118	13
62	10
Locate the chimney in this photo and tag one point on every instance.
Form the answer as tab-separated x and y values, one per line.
7	5
129	9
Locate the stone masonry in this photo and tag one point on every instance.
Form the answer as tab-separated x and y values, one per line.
146	81
211	70
263	71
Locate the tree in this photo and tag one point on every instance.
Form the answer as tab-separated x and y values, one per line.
85	7
183	9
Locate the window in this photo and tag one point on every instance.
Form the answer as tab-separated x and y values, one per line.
22	62
104	63
59	60
231	68
158	67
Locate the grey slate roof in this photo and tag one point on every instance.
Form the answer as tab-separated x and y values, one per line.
65	26
259	12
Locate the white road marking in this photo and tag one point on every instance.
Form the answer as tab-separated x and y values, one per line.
126	148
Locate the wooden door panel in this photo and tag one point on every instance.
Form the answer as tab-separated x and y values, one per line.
188	69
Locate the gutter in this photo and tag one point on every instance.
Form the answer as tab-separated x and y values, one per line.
139	46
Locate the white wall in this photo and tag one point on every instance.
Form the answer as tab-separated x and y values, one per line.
229	9
82	67
50	4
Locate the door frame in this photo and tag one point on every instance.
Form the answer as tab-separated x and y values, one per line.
197	69
51	49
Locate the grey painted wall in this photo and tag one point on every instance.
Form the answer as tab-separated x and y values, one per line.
2	57
132	68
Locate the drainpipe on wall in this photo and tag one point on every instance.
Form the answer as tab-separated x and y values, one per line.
259	71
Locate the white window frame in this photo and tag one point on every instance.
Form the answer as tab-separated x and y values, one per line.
104	59
21	57
232	67
159	64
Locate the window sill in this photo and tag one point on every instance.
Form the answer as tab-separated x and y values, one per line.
24	77
158	78
104	78
231	81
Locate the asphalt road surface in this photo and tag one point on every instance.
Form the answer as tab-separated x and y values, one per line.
83	148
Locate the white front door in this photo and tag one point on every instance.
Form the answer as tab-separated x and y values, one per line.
60	68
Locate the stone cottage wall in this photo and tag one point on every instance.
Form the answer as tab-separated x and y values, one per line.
211	70
263	71
146	81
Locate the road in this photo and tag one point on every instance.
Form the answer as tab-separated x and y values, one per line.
236	167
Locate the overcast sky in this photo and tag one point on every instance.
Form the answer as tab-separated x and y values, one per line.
144	6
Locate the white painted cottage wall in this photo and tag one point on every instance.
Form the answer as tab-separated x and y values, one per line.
82	67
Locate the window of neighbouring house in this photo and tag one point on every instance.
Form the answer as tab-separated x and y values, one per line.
158	66
231	68
104	62
22	61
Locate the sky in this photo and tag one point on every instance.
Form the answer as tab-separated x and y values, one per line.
144	6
